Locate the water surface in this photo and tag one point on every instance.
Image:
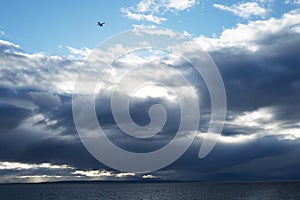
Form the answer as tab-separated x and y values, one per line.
176	190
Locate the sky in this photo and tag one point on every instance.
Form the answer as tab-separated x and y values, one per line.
254	43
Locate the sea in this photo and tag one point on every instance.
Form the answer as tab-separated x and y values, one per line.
144	191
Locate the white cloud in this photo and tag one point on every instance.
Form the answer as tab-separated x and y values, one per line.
24	166
250	36
141	26
103	57
255	125
149	176
244	10
234	139
147	5
185	33
254	118
9	44
81	53
156	6
153	91
157	32
261	123
153	10
179	5
21	69
101	173
139	16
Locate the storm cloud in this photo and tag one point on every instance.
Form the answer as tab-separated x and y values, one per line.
261	136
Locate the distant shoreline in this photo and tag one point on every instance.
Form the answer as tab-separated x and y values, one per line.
152	181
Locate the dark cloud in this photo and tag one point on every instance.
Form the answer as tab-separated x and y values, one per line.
36	121
268	77
11	116
60	152
263	159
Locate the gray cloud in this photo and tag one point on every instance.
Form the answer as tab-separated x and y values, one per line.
260	139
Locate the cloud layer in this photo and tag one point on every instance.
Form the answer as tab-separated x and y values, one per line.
259	63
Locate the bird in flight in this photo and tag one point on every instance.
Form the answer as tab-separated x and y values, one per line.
100	24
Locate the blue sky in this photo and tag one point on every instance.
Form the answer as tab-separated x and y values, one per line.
254	43
45	26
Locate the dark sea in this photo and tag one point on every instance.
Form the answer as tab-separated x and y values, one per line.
176	190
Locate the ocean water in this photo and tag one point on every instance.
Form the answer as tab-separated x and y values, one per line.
176	190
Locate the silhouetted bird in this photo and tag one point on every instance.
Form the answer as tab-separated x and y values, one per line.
100	24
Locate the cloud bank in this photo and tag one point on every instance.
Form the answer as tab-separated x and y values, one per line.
259	63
